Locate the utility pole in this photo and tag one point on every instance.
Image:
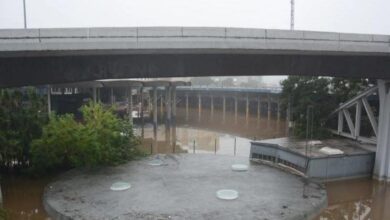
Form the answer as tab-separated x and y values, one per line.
24	13
292	15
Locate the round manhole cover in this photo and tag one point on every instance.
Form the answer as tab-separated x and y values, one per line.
239	167
120	186
227	194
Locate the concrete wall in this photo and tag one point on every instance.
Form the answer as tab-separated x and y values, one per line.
324	168
42	56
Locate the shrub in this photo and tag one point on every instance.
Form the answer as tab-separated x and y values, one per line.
101	138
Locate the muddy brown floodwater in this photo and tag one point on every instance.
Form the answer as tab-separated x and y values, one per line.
349	200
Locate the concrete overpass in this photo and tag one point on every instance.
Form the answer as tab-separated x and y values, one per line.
43	56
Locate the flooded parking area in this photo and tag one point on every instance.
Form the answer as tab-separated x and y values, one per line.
351	199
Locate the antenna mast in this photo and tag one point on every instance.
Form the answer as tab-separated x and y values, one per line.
292	15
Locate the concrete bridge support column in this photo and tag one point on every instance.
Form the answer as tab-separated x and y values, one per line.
235	109
161	105
130	104
98	95
382	160
154	106
278	110
223	108
168	104
94	95
173	92
212	106
247	111
269	108
258	108
173	127
199	107
186	107
141	91
48	91
150	94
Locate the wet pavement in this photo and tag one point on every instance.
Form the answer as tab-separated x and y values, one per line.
184	187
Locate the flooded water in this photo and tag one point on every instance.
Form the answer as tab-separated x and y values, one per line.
357	200
22	197
213	133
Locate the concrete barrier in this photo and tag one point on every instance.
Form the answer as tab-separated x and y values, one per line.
323	168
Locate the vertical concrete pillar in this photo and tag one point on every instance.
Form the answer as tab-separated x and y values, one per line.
269	108
382	158
212	106
247	110
173	118
186	107
48	91
130	104
154	107
258	108
142	110
149	109
161	105
235	109
278	110
112	96
199	106
223	108
94	94
168	104
173	102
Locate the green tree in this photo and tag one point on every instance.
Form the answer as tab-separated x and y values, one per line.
22	116
101	138
305	92
322	95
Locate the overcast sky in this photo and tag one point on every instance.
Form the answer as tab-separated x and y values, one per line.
356	16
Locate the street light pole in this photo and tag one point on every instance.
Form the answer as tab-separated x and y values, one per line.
24	13
292	15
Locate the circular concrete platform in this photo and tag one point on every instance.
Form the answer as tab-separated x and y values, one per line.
184	187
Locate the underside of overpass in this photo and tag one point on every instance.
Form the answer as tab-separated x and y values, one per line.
18	71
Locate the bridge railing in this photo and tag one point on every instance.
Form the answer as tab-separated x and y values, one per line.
359	103
233	89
